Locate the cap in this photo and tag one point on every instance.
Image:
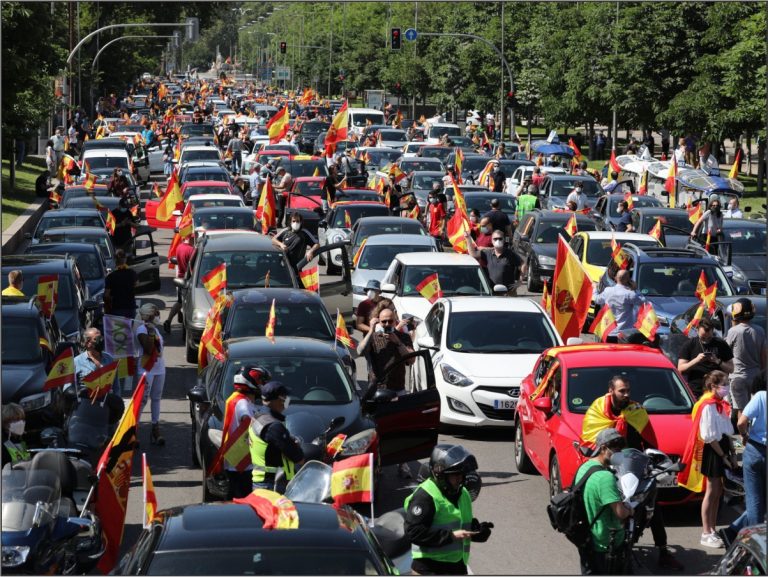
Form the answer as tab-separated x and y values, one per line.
374	285
605	437
274	389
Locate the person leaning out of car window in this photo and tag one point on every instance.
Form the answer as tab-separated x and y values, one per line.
14	447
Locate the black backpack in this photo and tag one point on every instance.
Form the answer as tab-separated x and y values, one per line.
568	515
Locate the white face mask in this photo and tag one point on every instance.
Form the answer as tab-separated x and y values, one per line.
295	226
371	294
17	428
498	243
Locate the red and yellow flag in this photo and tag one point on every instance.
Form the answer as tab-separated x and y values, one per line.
458	225
546	301
150	497
670	185
48	293
338	129
54	196
570	227
100	381
276	511
571	292
655	232
342	335
171	200
359	252
701	285
347	220
210	340
629	201
234	447
90	182
691	476
156	192
126	367
695	213
734	172
577	156
352	480
459	164
266	211
617	256
708	241
216	280
613	163
647	321
603	324
62	372
708	297
310	279
271	322
600	416
695	320
111	223
335	445
430	289
643	188
278	125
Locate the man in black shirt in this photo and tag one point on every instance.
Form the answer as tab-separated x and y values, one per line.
702	354
296	241
123	223
499	220
120	289
499	178
502	263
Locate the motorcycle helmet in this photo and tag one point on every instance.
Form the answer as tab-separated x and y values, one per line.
250	379
743	309
447	459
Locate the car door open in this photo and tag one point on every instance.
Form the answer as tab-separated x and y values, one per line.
145	260
340	287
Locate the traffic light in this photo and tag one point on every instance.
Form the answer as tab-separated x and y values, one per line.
395	39
283	47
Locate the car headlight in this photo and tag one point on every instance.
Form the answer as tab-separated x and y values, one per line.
358	290
336	238
454	377
14	555
358	444
546	260
199	315
35	402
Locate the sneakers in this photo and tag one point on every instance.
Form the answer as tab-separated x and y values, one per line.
155	437
712	541
667	560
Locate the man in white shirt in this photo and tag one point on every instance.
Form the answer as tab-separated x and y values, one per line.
577	195
733	209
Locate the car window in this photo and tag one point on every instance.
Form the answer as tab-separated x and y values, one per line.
356	212
483	203
102	241
29	287
547	231
434	322
213	221
565	186
425	182
747	240
464	280
247	268
90	265
212	203
61	221
678	279
527	225
379	257
501	332
20	340
105	162
292	320
638	201
599	251
408	226
678	221
658	390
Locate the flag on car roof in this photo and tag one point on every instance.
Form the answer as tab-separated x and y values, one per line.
342	335
352	480
278	125
216	279
359	252
571	292
430	289
734	172
271	322
647	321
100	381
655	232
172	199
310	279
48	293
670	184
62	371
603	324
275	510
150	497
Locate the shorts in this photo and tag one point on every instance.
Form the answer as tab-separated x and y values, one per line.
740	392
711	464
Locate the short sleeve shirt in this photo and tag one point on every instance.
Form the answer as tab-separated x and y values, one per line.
747	342
502	269
755	412
694	346
121	285
499	220
600	492
624	221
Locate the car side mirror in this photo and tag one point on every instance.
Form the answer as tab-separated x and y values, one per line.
197	394
180	282
426	342
384	395
388	288
499	289
543	404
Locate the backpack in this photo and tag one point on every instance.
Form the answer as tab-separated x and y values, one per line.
568	515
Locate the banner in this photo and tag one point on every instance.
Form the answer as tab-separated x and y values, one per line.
119	338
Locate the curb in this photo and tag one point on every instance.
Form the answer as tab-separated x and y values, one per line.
13	237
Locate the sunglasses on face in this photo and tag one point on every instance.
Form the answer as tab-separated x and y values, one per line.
386	322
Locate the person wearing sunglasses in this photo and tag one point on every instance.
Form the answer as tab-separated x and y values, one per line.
502	263
702	354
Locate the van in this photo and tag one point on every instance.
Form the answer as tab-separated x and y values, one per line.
360	117
436	130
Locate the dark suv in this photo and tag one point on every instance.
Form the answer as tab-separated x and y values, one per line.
309	132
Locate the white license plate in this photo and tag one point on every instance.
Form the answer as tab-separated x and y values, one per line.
505	404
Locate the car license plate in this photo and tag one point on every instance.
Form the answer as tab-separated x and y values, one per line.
505	404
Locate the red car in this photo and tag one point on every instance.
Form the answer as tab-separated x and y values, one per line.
187	190
549	419
306	193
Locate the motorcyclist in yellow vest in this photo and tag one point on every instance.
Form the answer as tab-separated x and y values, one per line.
14	448
438	520
272	446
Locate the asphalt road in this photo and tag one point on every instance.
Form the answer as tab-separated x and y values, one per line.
522	542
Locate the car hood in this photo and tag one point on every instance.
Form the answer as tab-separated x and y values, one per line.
308	421
22	380
511	366
669	307
545	249
753	265
361	277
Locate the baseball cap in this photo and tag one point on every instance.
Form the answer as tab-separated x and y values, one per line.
606	437
274	389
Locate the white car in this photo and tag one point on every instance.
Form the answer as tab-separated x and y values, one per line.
196	201
482	350
199	153
392	138
377	254
526	171
436	130
458	274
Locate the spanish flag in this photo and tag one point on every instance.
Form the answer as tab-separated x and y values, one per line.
359	253
347	220
456	229
691	477
171	200
335	445
310	279
600	416
570	227
126	367
234	447
695	213
414	212
216	280
48	293
342	335
603	324
617	255
647	321
695	320
278	126
613	163
271	321
111	223
670	185
266	211
458	164
576	152
708	298
210	340
275	510
352	480
701	285
655	232
90	182
317	172
54	196
100	381
150	497
156	192
734	172
571	292
62	372
643	188
546	302
707	242
338	129
629	201
430	289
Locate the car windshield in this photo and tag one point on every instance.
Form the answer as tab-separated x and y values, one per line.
358	195
379	257
293	319
438	131
393	135
191	155
308	168
356	212
454	280
599	251
413	163
217	175
314	128
197	130
475	164
408	226
192	190
20	340
483	203
82	192
102	241
309	187
441	152
659	390
637	202
381	158
425	182
548	230
360	119
211	203
247	268
499	332
105	162
312	380
60	221
751	240
659	279
678	221
213	220
564	187
254	560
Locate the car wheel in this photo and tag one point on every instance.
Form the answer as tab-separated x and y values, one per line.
191	350
555	483
522	461
533	284
195	457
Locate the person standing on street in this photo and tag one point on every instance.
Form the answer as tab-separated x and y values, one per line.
184	254
297	242
50	161
272	446
151	365
365	308
702	354
527	201
436	214
622	299
750	352
58	144
498	219
502	263
235	147
439	521
120	289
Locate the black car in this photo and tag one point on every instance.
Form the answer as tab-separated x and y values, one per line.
229	539
309	132
30	342
482	202
322	390
472	166
193	129
205	171
74	309
606	214
77	191
67	217
535	240
89	259
555	188
675	226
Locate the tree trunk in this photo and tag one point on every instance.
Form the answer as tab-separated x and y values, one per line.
761	166
749	155
12	167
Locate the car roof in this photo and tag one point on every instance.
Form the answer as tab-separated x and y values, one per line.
20	307
223	209
70	212
740	222
436	259
561	215
81	230
567	176
279	294
482	304
240	241
439	173
399	239
584	355
237	525
215	196
249	347
659	210
211	183
62	247
650	253
36	262
382	219
366	111
619	236
91	152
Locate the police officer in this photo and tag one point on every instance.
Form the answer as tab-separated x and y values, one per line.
439	521
526	202
272	446
241	406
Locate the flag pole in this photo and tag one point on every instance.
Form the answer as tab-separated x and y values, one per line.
335	332
144	488
370	461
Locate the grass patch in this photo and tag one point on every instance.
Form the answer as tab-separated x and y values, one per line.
15	201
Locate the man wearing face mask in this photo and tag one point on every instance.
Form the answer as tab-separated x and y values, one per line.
704	353
436	214
625	219
297	242
93	358
14	447
577	195
485	233
364	309
710	223
123	222
272	446
502	263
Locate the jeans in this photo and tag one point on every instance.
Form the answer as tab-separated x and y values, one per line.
753	465
237	160
154	391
